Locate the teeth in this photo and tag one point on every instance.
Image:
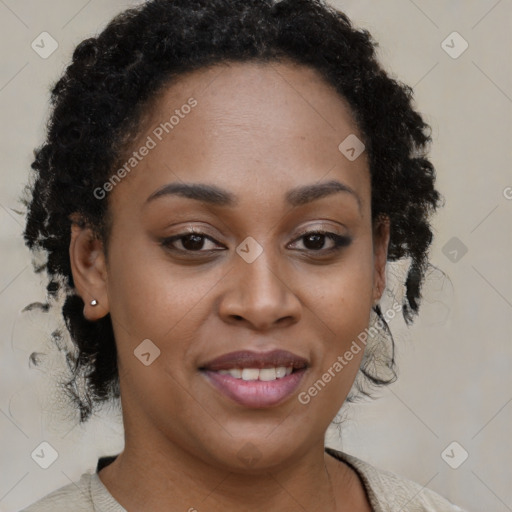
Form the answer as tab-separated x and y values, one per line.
268	374
281	372
235	372
250	374
265	374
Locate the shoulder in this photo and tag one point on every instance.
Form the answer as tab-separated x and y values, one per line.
389	492
75	496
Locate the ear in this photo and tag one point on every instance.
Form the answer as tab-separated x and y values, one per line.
88	266
381	234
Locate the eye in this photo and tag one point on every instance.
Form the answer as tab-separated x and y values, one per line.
192	241
195	241
316	240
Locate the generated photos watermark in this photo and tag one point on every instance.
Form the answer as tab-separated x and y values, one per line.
343	360
152	141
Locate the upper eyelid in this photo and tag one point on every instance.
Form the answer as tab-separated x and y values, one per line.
179	236
300	235
335	238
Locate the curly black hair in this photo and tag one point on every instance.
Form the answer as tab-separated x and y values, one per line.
96	110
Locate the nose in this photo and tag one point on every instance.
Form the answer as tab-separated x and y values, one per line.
259	295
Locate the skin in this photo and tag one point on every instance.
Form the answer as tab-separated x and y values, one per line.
258	131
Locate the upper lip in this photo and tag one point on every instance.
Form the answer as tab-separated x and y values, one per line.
259	360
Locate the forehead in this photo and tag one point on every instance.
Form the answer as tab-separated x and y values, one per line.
257	95
254	128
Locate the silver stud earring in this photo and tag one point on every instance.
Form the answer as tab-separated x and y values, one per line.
94	302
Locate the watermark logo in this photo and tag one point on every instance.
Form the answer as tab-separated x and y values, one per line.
454	249
44	455
351	147
44	45
249	249
249	454
146	352
454	455
454	45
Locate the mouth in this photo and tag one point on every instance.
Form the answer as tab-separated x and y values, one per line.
256	380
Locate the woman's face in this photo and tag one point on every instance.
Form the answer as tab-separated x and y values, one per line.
265	137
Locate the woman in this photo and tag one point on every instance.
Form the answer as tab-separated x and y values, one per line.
221	187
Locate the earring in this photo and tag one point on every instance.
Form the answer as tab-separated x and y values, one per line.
94	302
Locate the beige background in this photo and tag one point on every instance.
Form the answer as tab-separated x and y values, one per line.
455	364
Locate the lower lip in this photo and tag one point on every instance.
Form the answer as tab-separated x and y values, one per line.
256	393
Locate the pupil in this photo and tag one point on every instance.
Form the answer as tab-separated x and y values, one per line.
318	241
196	242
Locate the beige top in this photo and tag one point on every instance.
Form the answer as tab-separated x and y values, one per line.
386	491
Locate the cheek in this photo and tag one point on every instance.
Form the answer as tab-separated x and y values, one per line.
343	294
152	299
341	304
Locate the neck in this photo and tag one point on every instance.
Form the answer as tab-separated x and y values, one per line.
147	476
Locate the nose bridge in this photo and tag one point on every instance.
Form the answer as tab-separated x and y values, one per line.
258	292
261	278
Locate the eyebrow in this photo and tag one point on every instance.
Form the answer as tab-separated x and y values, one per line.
307	193
214	195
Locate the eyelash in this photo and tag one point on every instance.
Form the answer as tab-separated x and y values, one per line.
340	241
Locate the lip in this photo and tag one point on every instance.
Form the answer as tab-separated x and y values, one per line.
259	360
256	393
